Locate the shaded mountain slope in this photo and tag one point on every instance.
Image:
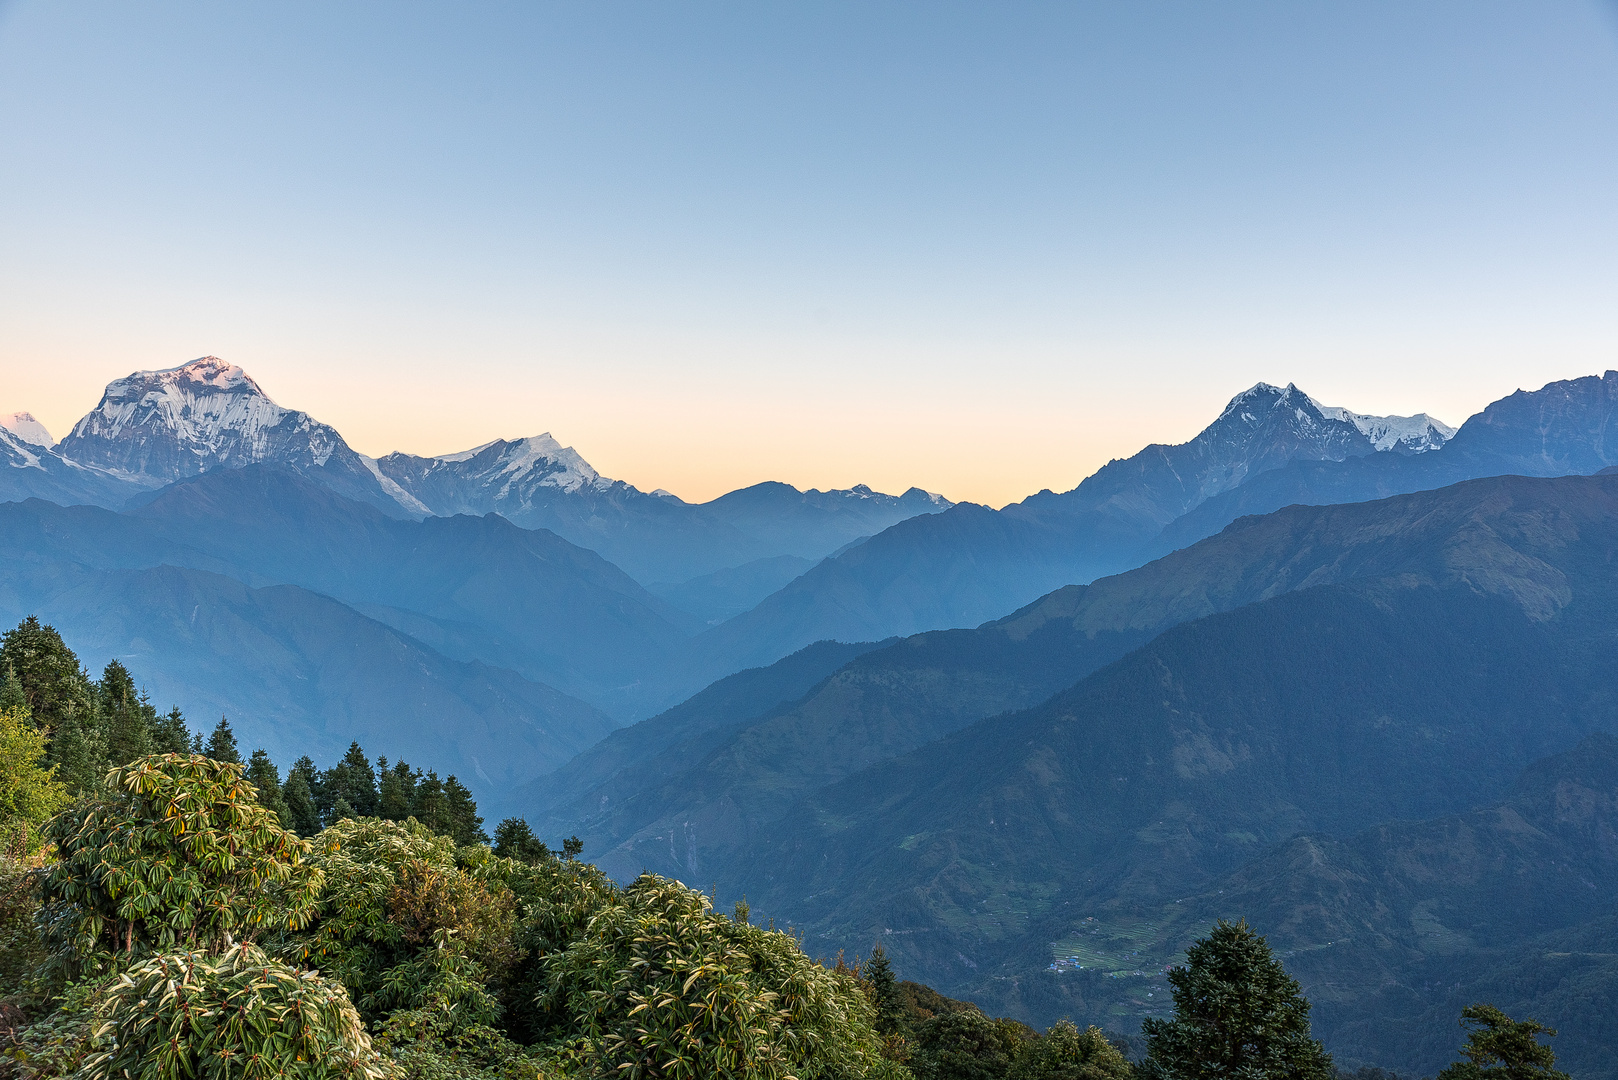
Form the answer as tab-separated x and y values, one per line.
1506	535
1329	710
299	673
637	756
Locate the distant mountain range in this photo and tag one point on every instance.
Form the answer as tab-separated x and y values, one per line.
155	428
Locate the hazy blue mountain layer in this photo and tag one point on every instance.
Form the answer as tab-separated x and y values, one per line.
726	593
540	484
1266	450
636	757
695	820
472	588
299	673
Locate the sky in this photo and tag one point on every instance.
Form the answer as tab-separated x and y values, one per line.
978	248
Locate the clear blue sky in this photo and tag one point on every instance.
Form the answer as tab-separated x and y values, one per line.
977	247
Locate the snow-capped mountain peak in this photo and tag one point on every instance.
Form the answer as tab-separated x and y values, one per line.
153	428
25	427
1408	434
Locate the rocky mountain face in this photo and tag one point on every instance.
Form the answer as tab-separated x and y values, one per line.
1564	428
154	428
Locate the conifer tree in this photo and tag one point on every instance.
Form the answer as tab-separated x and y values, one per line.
11	695
352	780
341	811
1500	1048
221	745
170	735
263	775
397	790
431	808
1236	1013
464	823
126	717
303	815
52	681
513	839
877	975
78	749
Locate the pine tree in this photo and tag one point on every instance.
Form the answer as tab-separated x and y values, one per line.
264	776
170	735
1500	1048
397	794
303	816
78	750
11	696
341	811
352	780
877	975
430	807
126	717
221	745
513	839
1236	1013
52	681
464	823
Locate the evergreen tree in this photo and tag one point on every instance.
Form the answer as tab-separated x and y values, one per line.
883	990
126	717
430	807
341	811
513	839
397	794
11	696
52	681
352	780
1500	1048
263	775
1236	1013
965	1045
170	735
60	699
78	750
464	823
303	816
571	847
221	745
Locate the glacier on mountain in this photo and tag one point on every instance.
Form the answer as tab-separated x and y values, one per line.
25	427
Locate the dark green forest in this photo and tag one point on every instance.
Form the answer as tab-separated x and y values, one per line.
171	907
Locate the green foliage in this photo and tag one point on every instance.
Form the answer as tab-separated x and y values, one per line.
400	923
29	791
966	1045
1066	1053
236	1015
266	780
178	853
221	745
883	989
170	735
352	781
661	986
513	839
22	952
1236	1013
1500	1048
127	717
